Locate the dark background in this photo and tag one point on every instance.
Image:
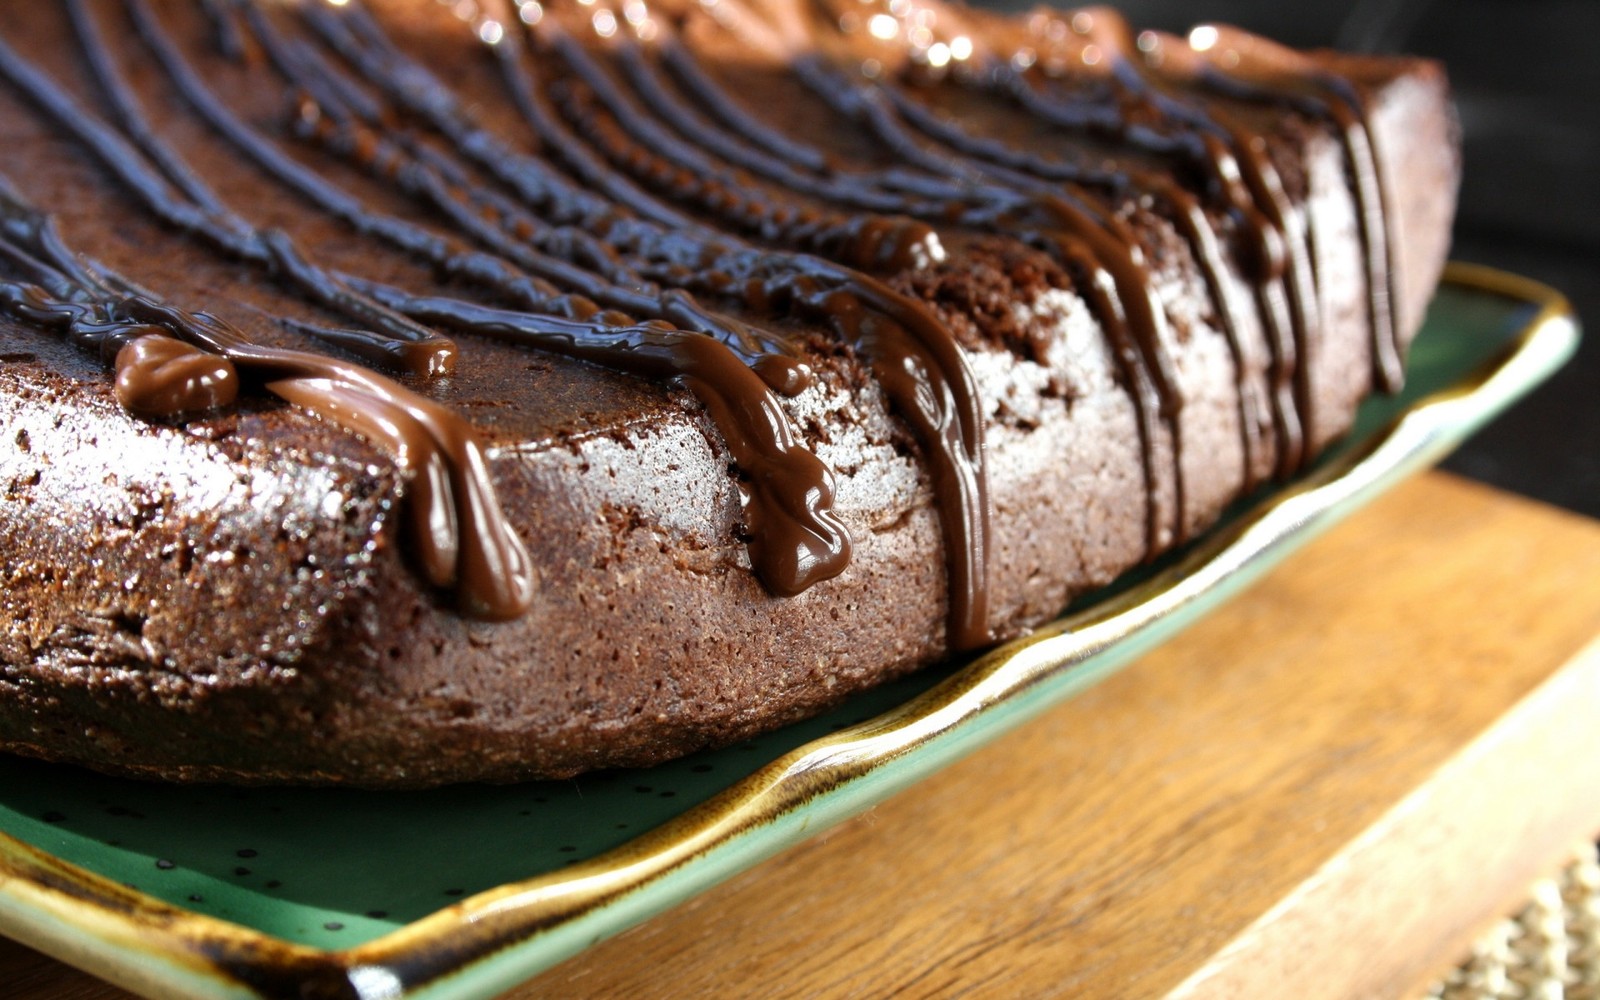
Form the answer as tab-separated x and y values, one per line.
1527	79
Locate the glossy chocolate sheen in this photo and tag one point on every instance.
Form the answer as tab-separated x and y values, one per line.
401	394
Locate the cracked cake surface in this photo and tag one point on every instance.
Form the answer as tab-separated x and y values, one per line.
397	394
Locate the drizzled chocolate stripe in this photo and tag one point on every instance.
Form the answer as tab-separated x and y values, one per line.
1141	119
352	125
709	95
1290	408
402	344
803	170
580	262
1183	208
1277	246
1235	159
361	42
225	30
415	92
686	174
156	376
457	523
344	119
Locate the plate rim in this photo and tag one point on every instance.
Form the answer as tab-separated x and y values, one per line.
497	938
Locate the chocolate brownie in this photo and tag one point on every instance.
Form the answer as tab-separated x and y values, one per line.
397	394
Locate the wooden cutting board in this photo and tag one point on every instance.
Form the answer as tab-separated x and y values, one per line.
1325	789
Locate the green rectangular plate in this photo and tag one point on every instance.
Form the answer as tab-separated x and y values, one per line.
463	892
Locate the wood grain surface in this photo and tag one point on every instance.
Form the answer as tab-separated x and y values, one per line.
1325	789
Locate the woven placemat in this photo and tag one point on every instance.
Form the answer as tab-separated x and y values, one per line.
1550	950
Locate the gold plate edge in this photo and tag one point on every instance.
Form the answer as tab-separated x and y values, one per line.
93	922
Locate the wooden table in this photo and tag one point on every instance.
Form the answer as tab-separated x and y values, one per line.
1326	789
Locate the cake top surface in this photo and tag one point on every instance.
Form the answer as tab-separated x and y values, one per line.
406	393
633	202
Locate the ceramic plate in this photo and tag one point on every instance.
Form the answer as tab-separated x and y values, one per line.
463	892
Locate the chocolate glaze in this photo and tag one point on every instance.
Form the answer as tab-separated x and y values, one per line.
651	195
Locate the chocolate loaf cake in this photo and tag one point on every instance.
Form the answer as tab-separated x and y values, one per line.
400	393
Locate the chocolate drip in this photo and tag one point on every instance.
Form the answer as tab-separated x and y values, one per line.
1153	122
171	362
911	351
1267	73
1104	252
1183	208
796	541
159	377
1235	158
801	542
917	363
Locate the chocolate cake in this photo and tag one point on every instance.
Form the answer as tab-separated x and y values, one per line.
405	393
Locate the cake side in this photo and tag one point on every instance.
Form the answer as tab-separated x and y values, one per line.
649	635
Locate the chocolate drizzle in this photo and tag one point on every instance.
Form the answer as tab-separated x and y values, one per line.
646	219
191	207
799	543
172	363
911	352
1259	71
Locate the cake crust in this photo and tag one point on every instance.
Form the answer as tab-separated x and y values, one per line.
233	596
